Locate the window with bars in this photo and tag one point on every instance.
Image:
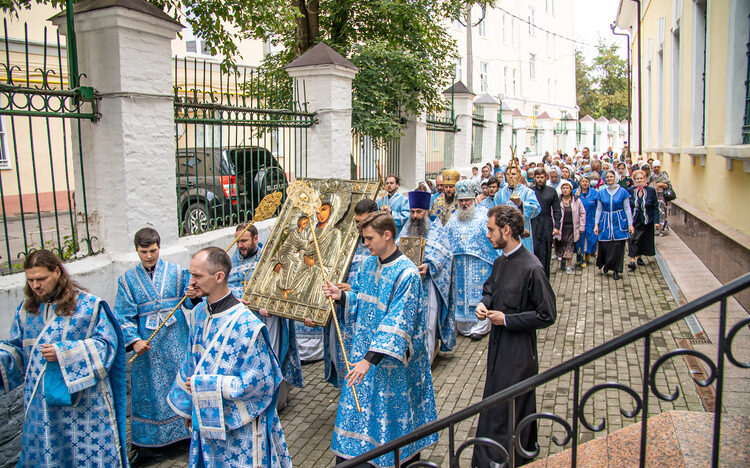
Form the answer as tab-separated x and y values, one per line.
4	156
532	66
484	76
532	28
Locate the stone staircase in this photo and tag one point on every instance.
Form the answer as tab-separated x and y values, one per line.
675	439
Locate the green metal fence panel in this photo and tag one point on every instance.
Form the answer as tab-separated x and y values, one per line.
41	107
240	135
477	128
441	131
368	155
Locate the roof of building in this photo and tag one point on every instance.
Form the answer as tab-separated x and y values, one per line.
321	54
458	88
543	116
486	98
517	113
587	118
135	5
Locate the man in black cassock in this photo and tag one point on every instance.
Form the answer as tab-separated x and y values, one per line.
547	224
518	300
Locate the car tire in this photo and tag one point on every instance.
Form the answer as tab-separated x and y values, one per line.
196	219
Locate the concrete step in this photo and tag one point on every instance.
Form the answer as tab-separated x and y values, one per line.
676	439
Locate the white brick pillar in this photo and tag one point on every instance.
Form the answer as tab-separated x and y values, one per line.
129	154
587	139
506	135
488	106
519	126
327	77
546	140
569	140
463	109
412	149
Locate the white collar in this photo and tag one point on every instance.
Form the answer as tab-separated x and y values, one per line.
512	251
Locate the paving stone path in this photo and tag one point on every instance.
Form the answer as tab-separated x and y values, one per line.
592	309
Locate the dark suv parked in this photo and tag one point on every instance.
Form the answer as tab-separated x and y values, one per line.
222	186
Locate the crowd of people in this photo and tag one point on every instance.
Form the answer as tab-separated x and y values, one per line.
209	370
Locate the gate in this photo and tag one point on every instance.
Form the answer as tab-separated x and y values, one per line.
240	136
440	137
42	104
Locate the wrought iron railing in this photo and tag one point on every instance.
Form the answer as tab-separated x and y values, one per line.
368	155
42	104
640	396
240	135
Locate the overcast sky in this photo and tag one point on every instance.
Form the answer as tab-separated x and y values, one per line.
592	19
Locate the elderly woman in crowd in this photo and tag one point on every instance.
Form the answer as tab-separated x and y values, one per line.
554	177
660	181
614	224
567	174
573	224
645	205
588	197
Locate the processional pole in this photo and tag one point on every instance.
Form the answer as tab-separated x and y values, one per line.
265	210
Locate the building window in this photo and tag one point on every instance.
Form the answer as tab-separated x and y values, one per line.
660	98
4	155
675	131
532	28
532	66
515	82
484	76
537	110
506	31
506	79
552	3
459	69
549	45
483	28
698	107
513	35
194	44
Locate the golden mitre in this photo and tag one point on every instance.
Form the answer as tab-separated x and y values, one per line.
451	176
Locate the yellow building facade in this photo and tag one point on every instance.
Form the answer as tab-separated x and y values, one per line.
695	105
695	125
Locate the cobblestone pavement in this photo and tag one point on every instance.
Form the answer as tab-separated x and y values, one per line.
592	309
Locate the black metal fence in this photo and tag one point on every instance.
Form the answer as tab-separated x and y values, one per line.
639	336
240	136
42	104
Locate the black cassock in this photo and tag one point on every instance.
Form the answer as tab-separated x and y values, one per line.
519	288
543	225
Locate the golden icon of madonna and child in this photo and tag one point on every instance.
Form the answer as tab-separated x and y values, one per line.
287	280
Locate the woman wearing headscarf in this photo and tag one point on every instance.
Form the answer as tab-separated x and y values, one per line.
554	178
589	197
645	205
660	181
614	224
573	224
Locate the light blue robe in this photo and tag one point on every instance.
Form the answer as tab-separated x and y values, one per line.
399	205
439	260
141	305
587	243
396	395
335	374
529	206
235	383
90	370
473	256
242	270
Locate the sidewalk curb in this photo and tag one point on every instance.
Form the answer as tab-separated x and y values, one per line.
692	321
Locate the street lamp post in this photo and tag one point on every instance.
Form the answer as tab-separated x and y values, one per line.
630	79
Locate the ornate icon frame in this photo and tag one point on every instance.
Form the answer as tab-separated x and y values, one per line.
294	291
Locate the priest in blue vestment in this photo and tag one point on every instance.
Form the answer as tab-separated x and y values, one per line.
472	261
516	193
244	258
67	350
435	271
391	366
146	294
281	331
445	204
394	203
227	385
334	366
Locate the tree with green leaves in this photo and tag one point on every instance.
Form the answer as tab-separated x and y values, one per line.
404	54
602	87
